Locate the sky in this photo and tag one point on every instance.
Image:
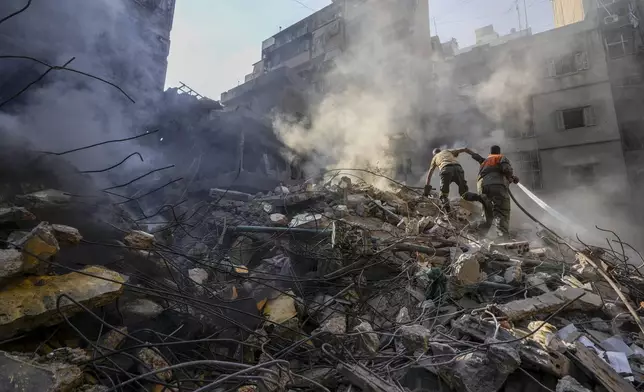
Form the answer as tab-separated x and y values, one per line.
215	42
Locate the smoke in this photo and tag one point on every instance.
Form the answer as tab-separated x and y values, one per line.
67	110
368	101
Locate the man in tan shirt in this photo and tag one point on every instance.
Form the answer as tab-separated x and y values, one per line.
451	171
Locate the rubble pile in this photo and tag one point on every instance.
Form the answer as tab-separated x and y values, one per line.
334	286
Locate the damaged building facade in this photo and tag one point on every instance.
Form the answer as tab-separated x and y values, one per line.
566	104
294	61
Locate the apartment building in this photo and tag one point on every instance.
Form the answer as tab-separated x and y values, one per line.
294	61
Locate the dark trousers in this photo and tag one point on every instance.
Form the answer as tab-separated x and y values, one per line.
499	197
454	174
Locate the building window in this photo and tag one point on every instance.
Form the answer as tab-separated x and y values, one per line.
569	64
529	167
619	44
582	174
632	135
575	118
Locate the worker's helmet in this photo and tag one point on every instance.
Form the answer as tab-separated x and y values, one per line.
495	150
436	151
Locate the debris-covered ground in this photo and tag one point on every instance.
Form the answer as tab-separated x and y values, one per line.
327	286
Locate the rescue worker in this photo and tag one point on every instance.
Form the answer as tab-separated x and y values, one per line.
451	171
495	175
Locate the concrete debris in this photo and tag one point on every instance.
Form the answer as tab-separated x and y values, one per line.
366	380
15	214
518	248
414	338
45	199
11	264
227	194
569	384
513	275
309	221
21	374
478	371
403	316
198	275
467	269
37	248
67	234
539	359
281	309
279	220
550	302
304	286
32	302
152	360
139	240
242	251
537	283
368	341
113	339
141	309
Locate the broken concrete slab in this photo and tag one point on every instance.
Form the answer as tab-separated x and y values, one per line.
569	384
537	283
67	234
478	371
31	303
467	269
44	199
15	214
37	247
549	302
139	239
19	374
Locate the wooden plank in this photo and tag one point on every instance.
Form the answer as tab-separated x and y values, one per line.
602	371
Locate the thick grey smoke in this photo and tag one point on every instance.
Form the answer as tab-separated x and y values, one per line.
370	100
67	110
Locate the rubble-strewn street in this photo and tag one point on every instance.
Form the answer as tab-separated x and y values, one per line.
333	286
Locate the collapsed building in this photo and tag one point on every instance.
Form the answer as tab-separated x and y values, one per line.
224	268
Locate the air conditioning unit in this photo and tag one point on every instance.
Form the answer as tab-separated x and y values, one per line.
610	19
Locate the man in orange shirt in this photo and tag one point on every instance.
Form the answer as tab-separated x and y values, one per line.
495	175
451	171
